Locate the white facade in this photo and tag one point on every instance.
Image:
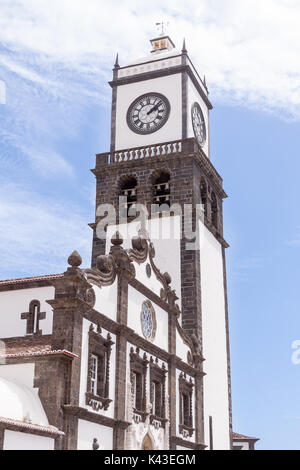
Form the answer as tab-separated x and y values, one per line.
216	399
88	431
19	441
13	303
170	87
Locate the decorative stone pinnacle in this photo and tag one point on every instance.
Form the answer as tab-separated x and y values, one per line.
75	260
117	62
184	51
117	239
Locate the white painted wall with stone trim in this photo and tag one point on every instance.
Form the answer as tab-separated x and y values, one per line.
169	86
136	433
88	431
214	340
194	96
22	441
15	302
135	302
167	250
188	377
84	370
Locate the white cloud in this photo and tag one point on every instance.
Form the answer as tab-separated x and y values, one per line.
248	49
38	234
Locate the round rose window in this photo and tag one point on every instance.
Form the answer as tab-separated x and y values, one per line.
148	321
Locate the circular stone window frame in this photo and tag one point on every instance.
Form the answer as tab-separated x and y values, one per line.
148	303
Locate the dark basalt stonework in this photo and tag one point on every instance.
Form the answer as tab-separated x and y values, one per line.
186	168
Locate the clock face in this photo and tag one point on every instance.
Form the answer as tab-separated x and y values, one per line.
148	113
148	321
198	124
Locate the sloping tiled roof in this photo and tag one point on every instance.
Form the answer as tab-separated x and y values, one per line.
28	280
30	347
235	435
51	430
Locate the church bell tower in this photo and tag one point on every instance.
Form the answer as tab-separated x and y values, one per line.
160	155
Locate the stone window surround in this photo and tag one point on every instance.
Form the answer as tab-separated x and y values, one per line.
185	388
33	318
100	347
139	366
158	375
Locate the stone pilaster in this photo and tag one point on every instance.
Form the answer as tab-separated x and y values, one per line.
59	381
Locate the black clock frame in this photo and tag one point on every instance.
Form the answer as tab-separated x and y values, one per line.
197	105
163	121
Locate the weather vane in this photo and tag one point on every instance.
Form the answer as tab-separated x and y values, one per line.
162	26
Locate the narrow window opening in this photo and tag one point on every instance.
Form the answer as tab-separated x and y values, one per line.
203	191
129	190
214	210
162	189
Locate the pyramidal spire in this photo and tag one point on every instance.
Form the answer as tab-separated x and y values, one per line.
117	62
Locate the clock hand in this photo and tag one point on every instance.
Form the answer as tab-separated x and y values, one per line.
154	108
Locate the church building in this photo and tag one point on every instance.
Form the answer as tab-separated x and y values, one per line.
133	352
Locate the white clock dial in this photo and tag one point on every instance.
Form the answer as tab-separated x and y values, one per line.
148	113
198	124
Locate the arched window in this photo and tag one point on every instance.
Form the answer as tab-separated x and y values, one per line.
128	190
203	191
161	183
214	210
33	318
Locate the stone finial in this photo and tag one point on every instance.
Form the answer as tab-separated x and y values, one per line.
184	50
95	444
117	239
168	278
75	260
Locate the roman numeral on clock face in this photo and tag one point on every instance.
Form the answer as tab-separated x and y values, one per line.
148	113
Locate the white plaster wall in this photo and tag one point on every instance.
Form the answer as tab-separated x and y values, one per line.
14	303
88	431
193	95
169	86
135	301
181	348
190	439
18	398
20	441
214	339
106	300
23	374
244	445
165	235
84	370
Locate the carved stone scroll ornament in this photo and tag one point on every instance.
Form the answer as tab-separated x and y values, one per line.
105	273
139	251
167	293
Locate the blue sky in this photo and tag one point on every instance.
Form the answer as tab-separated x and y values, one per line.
55	60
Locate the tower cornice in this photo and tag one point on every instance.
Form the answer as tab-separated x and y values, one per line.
162	73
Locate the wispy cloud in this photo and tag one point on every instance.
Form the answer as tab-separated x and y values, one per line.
295	240
38	234
249	49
